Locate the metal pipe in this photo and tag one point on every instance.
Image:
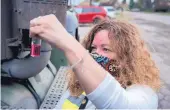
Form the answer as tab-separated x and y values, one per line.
28	67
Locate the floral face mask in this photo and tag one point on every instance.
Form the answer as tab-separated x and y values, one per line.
112	66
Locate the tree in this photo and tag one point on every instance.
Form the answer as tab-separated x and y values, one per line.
148	4
97	0
124	1
108	2
145	4
131	4
140	4
113	2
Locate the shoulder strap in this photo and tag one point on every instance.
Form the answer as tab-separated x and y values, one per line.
84	103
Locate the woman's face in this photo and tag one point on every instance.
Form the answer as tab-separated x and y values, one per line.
101	45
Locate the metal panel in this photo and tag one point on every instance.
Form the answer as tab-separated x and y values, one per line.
16	16
29	9
6	29
56	90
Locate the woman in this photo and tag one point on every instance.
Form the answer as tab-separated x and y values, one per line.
118	72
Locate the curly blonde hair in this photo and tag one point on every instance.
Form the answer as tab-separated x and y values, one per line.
139	67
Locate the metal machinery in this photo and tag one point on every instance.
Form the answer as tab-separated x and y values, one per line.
29	82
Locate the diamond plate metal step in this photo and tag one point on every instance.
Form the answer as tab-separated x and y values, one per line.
4	106
56	90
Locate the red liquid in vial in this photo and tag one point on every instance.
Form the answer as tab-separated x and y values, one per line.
35	50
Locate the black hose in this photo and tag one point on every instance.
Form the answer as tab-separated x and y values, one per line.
28	85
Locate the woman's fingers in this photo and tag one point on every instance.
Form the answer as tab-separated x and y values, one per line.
37	26
49	29
36	30
36	21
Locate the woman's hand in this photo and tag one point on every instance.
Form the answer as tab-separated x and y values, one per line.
49	29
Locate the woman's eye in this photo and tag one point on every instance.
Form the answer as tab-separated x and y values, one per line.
105	49
93	48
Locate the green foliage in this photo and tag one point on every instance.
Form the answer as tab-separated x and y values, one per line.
131	4
140	3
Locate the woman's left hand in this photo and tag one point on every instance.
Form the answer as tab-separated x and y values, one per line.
49	29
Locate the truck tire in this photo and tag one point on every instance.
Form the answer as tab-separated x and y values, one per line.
96	20
77	35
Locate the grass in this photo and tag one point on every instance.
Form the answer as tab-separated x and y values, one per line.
165	13
162	13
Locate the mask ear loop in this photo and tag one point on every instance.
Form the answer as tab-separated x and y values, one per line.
113	68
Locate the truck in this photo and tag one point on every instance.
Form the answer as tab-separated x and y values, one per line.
161	5
30	82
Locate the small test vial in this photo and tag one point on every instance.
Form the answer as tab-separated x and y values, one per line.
35	47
